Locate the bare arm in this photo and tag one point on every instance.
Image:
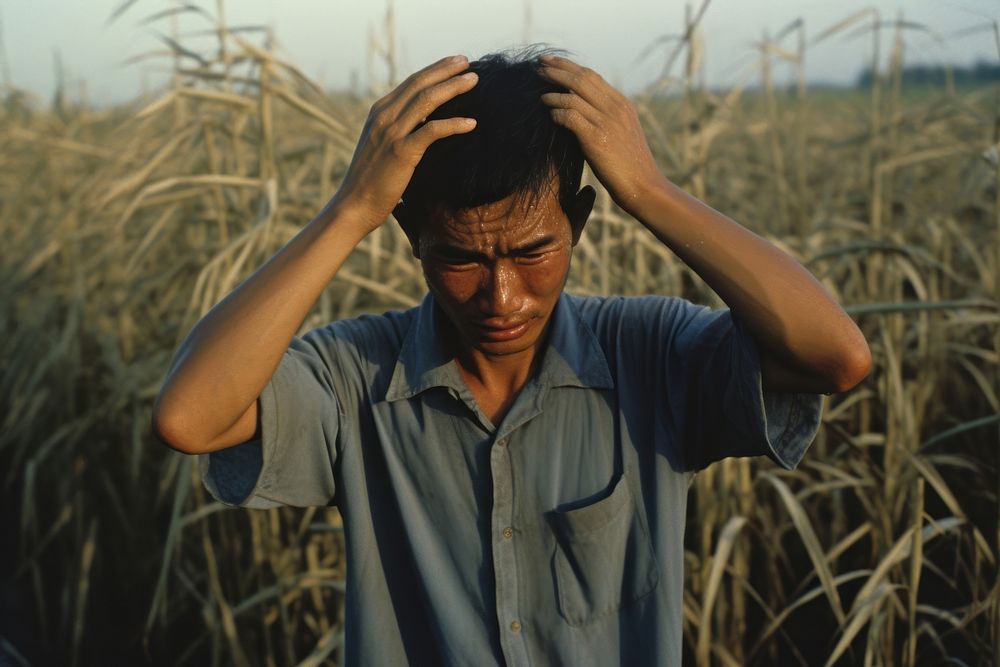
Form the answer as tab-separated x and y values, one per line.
209	400
808	343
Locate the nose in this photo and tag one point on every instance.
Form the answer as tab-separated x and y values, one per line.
501	290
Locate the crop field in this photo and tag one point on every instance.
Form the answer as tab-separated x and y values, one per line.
120	227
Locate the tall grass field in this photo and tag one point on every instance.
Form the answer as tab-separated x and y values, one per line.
121	226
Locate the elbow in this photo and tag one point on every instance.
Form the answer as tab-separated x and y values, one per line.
170	431
854	366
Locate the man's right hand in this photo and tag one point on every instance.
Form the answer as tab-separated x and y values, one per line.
209	400
391	145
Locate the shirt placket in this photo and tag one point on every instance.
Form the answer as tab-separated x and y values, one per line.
512	642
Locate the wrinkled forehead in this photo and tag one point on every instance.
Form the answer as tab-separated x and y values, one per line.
498	226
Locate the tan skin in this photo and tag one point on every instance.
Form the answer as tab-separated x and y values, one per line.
497	272
808	342
496	267
209	400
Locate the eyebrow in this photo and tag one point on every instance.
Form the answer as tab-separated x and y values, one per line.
526	249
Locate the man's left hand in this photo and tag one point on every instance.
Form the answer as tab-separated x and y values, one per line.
607	126
808	343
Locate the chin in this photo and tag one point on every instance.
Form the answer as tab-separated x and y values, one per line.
520	343
502	349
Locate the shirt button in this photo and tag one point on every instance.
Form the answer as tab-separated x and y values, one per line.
502	442
515	626
508	533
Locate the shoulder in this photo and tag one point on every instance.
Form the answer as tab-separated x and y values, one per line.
643	332
368	332
612	313
360	348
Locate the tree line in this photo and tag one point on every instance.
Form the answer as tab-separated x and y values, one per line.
939	75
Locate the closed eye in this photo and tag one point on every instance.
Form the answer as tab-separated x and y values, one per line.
531	257
458	263
535	251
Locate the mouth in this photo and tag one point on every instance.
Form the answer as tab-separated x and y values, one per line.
502	332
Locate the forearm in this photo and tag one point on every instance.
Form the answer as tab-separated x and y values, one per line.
788	312
808	343
209	399
229	356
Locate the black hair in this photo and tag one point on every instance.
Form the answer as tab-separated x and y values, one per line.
514	149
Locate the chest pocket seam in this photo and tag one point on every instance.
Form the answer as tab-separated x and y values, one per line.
603	559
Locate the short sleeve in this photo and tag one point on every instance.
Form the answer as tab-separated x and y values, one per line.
714	367
697	372
292	463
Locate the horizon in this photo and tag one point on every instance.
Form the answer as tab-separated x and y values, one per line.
753	87
93	47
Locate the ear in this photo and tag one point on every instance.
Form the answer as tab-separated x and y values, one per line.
580	207
407	221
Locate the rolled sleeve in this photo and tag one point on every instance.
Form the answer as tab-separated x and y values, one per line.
726	410
786	422
292	463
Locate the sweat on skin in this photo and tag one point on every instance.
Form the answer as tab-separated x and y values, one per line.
540	373
497	272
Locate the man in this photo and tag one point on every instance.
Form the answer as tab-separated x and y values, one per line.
511	462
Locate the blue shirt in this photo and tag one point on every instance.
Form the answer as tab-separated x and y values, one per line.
552	538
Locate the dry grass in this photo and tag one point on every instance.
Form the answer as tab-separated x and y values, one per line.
122	227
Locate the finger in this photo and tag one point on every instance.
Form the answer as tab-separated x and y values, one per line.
583	81
416	144
572	68
434	73
423	103
574	121
553	60
446	66
572	101
576	80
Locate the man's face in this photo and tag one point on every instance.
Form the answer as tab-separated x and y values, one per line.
497	270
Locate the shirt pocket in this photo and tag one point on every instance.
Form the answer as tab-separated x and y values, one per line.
603	557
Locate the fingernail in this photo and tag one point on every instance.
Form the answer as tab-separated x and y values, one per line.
458	59
471	76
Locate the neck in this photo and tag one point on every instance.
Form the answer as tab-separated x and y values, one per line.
500	374
504	373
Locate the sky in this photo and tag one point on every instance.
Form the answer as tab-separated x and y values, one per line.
329	39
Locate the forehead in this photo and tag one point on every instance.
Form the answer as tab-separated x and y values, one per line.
509	222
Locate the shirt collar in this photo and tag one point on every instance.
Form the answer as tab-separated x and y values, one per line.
572	356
